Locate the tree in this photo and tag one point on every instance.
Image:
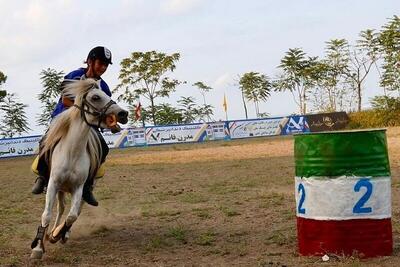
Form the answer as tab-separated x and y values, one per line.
165	114
206	110
3	79
143	74
189	110
337	61
297	76
361	59
389	43
243	97
14	120
51	81
256	87
203	90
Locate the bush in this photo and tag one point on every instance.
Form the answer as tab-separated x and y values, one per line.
374	119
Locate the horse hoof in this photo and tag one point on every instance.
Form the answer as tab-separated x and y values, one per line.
53	239
65	238
36	254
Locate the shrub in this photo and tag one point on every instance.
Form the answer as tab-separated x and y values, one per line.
374	119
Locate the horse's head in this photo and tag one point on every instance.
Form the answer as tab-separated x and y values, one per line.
97	108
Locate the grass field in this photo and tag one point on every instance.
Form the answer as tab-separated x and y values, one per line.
213	204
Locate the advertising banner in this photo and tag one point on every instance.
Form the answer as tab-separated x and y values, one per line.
217	131
21	146
327	121
158	135
296	124
116	140
136	137
197	132
256	128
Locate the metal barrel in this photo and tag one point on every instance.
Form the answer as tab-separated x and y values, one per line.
343	193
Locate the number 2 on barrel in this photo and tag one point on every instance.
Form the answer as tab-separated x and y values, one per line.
302	191
359	207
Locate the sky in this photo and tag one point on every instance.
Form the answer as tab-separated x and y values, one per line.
218	40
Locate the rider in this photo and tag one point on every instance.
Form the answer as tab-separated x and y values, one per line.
97	62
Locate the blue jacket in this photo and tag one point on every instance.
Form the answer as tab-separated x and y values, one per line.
78	74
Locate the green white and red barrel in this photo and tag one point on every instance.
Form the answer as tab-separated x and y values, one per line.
343	193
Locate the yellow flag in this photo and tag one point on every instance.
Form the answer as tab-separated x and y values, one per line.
225	104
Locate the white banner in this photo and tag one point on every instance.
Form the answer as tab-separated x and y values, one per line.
255	128
115	140
22	146
343	198
175	134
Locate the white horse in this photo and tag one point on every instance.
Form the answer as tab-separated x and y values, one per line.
74	152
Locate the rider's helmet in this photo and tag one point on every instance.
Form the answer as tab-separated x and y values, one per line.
100	52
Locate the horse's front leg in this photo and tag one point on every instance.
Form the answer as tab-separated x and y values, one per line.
68	233
62	230
38	243
60	208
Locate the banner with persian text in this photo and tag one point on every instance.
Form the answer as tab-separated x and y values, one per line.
196	132
21	146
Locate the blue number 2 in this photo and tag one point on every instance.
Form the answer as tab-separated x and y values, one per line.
301	190
358	208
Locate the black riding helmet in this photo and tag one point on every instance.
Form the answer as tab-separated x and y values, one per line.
100	52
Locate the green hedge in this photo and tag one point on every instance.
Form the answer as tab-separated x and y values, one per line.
373	119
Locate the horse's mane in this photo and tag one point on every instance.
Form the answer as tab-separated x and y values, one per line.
61	124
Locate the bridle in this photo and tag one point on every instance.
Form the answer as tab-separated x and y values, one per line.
100	114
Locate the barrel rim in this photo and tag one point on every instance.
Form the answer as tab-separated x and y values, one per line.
343	132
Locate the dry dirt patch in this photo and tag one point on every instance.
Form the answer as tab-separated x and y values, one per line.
214	204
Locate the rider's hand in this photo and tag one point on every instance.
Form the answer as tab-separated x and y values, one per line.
67	102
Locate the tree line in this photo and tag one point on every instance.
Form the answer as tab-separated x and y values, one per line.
334	82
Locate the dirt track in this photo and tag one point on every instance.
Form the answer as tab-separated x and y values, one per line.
215	204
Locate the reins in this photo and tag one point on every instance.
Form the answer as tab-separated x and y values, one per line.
101	114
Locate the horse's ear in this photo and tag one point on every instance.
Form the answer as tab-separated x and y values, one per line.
97	82
67	88
65	84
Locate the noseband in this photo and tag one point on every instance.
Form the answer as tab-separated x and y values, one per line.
100	114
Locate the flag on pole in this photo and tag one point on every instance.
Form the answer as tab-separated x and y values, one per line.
225	104
138	111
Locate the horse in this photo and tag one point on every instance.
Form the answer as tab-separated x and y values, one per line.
73	150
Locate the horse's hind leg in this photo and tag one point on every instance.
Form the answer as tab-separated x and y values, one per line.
38	243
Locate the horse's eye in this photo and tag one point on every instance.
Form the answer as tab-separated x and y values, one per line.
96	97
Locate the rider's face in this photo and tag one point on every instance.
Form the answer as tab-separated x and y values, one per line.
97	68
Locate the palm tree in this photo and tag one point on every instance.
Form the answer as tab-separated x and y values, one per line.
205	110
189	111
298	76
256	87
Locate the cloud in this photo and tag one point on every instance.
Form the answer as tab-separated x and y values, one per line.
223	80
179	7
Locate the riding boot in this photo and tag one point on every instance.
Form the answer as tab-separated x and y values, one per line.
87	194
39	185
42	180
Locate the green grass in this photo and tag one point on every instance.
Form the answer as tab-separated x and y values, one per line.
229	211
202	213
178	233
206	239
193	198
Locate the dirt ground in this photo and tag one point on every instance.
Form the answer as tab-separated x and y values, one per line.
225	203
